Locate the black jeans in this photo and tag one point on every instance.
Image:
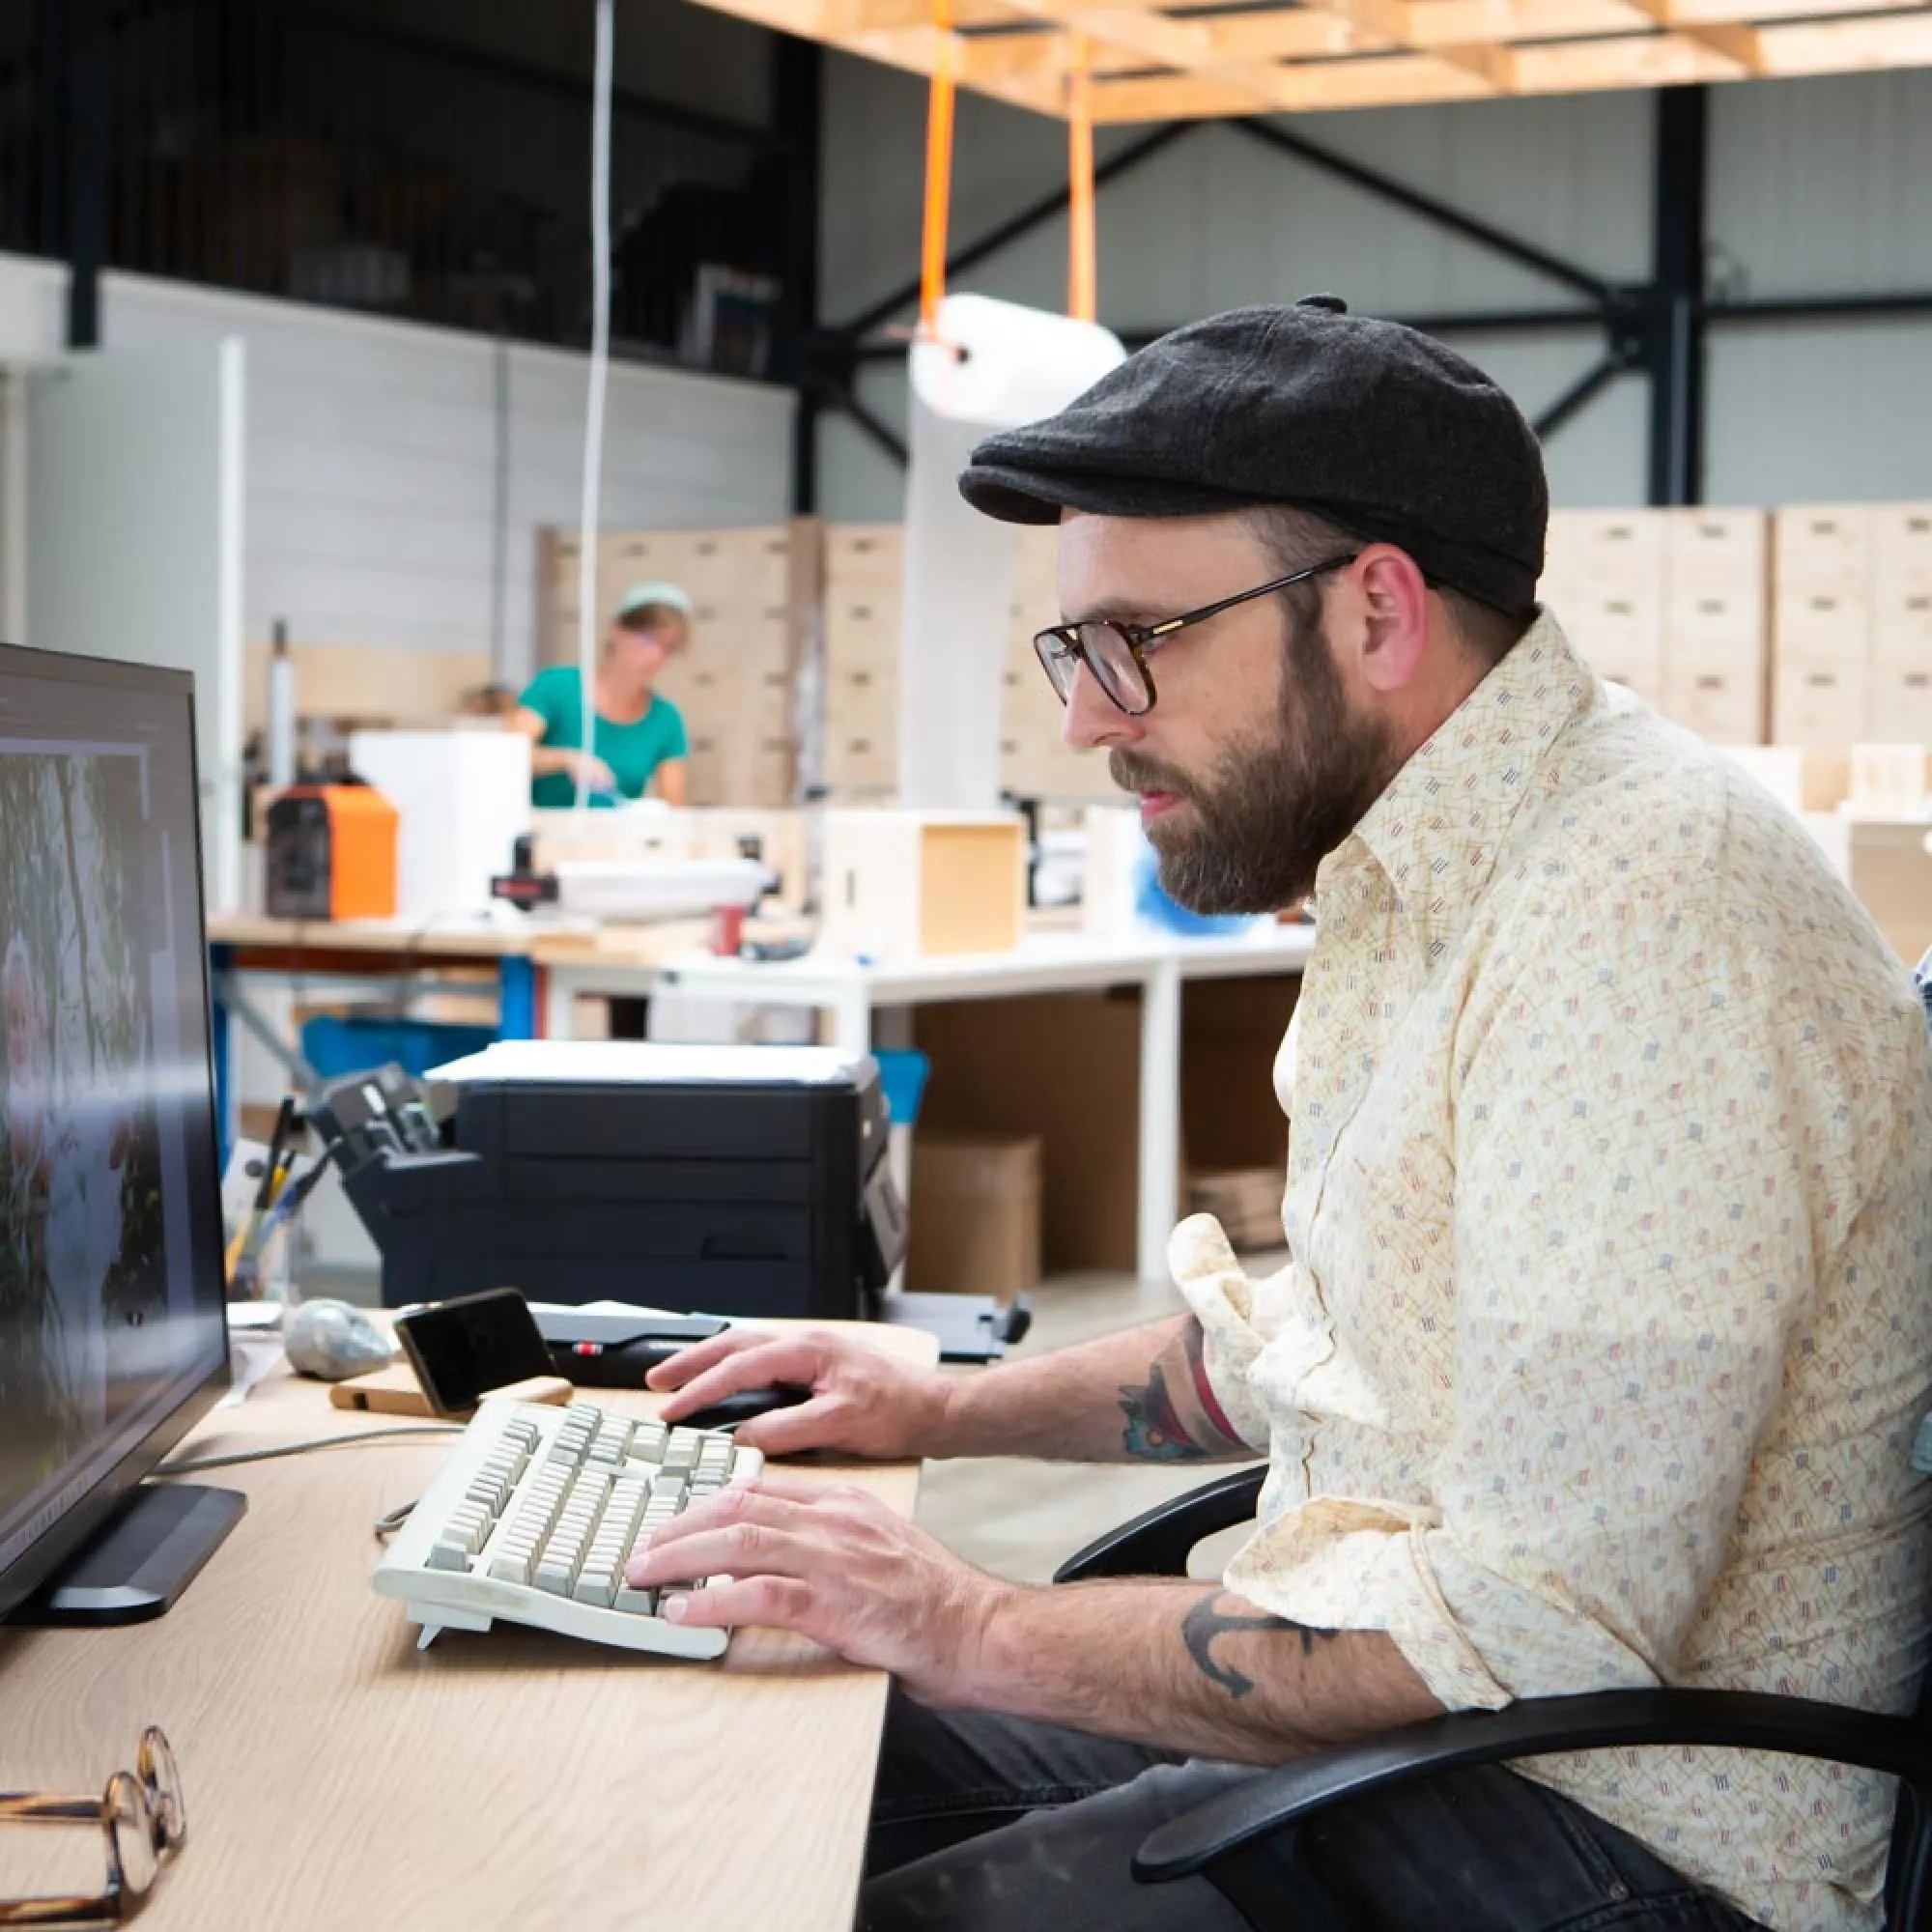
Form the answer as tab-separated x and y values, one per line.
991	1823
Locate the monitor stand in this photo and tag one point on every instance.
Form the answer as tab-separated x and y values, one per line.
147	1554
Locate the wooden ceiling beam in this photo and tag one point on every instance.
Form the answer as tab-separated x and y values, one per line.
1154	64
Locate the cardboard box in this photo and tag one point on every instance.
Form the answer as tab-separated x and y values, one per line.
1065	1067
975	1214
903	885
1062	1066
1246	1200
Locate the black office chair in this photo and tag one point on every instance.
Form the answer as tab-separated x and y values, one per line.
1223	1839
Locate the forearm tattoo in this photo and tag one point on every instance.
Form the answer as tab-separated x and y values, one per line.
1206	1620
1155	1430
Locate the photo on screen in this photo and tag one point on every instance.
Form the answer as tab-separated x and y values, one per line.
84	1249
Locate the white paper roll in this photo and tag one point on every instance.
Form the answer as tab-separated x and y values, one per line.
1018	365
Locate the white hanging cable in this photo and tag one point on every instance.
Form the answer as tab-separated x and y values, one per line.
588	616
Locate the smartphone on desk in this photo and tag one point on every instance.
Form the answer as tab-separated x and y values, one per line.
462	1349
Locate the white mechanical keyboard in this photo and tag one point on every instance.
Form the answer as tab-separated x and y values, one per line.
535	1514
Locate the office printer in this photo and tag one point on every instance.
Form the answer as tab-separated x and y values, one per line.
735	1180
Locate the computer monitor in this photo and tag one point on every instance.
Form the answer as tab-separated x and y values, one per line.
113	1337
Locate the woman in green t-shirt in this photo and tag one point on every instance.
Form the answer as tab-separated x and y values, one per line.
640	743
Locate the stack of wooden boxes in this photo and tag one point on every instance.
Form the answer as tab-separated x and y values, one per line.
863	573
1036	760
1902	623
1823	624
1603	579
1855	624
1670	603
1716	630
754	595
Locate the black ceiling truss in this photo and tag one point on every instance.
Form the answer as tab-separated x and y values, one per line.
1655	328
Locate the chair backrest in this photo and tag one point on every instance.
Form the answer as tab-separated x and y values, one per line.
1911	1830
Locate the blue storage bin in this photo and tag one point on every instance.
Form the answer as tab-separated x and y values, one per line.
902	1077
335	1047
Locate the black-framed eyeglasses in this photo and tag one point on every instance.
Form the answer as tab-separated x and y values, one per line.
1117	654
144	1820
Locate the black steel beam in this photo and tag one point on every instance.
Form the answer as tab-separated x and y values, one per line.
798	76
876	429
1472	228
1014	227
1674	331
1901	304
74	35
1593	381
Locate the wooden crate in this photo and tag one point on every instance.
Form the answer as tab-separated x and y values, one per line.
906	884
1823	704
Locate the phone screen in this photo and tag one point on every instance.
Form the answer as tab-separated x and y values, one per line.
462	1349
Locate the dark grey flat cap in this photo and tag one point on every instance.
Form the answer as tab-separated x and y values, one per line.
1378	428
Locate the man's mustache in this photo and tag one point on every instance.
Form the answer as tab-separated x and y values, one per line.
1132	771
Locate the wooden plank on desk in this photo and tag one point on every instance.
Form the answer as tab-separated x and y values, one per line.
338	1777
385	936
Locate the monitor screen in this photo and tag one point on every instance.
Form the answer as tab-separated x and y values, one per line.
112	1332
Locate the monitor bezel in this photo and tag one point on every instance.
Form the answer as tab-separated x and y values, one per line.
59	1542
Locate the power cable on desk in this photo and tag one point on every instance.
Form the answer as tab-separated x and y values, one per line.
267	1455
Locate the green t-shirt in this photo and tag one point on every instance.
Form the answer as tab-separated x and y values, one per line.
634	752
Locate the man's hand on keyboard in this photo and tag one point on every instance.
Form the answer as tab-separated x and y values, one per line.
863	1401
832	1562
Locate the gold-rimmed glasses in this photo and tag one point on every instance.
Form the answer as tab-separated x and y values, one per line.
143	1820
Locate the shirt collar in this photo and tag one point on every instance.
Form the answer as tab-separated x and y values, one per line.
1435	831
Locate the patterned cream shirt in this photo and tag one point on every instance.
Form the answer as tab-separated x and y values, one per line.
1608	1320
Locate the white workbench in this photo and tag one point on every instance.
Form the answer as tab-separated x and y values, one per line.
1043	963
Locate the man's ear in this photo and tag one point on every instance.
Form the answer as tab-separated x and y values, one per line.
1395	609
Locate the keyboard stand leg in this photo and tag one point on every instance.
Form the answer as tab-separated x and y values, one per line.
436	1618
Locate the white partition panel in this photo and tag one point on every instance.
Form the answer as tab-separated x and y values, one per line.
133	528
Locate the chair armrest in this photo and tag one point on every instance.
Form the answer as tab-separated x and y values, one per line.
1158	1542
1746	1719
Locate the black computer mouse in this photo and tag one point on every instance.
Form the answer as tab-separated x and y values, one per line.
728	1410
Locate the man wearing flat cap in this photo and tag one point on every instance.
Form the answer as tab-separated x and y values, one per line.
1606	1322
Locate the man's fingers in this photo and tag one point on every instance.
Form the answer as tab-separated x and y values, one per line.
775	1603
785	1431
767	1543
794	1360
674	1370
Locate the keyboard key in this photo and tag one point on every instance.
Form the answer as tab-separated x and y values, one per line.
639	1602
511	1566
596	1586
447	1554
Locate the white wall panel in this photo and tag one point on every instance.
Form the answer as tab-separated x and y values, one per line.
1818	187
371	453
1820	413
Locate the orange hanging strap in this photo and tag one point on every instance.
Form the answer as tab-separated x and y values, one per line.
938	169
1081	289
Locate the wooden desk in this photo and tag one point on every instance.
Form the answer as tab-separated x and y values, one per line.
338	1779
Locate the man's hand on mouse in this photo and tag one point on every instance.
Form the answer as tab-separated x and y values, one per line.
862	1402
831	1561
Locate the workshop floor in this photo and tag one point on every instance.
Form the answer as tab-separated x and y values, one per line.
1021	1518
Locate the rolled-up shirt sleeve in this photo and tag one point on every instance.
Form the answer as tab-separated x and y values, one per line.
1223	1296
1628	1271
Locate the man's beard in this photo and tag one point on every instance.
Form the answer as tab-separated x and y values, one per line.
1278	803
